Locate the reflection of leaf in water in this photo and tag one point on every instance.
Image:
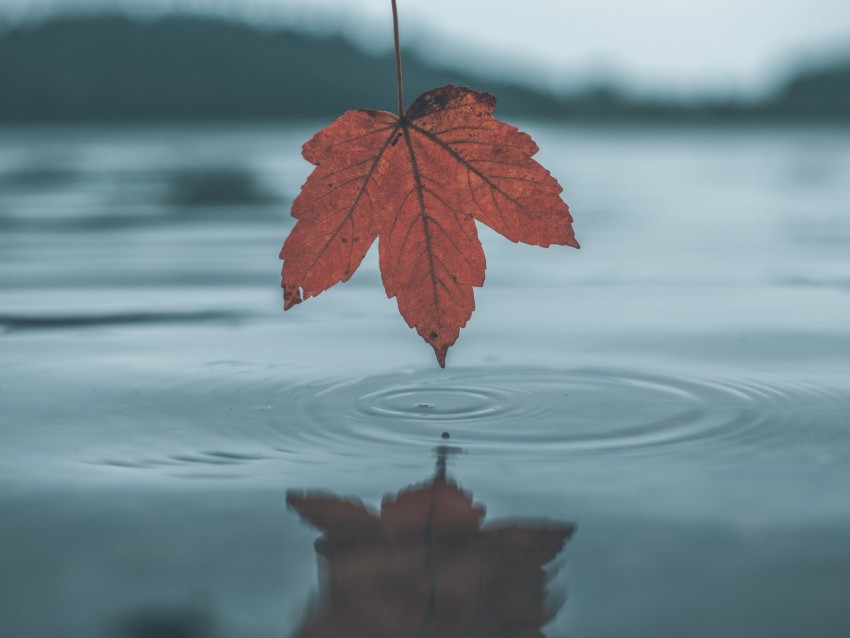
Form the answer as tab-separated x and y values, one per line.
424	566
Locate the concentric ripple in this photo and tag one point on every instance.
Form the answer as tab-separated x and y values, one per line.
539	414
538	410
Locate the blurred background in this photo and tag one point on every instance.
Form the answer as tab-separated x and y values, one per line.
655	60
679	388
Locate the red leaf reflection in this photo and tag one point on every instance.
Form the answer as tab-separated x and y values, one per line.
424	566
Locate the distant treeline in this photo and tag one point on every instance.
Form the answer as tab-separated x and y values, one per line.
115	69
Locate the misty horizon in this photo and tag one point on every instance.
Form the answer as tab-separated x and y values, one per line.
369	31
112	68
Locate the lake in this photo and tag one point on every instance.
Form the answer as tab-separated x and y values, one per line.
646	437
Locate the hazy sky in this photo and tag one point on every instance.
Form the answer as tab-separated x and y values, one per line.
678	45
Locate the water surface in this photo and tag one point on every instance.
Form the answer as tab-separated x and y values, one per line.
675	394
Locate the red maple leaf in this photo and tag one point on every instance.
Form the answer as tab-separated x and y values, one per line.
419	180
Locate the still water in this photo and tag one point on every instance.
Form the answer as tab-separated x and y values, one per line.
646	437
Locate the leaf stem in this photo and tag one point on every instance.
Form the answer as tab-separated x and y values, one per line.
398	62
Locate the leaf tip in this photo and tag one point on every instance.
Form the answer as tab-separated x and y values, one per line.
441	352
292	296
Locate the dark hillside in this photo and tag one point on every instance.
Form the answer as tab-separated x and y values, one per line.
825	91
115	69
